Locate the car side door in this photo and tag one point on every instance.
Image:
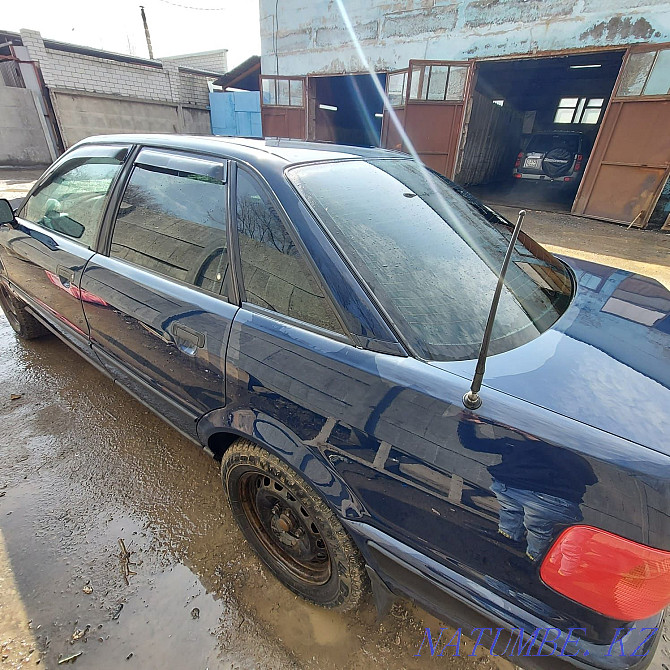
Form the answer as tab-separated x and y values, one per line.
56	232
161	317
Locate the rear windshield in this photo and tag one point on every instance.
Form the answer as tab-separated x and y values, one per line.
430	253
544	143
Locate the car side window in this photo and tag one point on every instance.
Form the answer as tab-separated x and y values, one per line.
275	274
72	201
173	222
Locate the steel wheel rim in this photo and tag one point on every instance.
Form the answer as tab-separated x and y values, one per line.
285	528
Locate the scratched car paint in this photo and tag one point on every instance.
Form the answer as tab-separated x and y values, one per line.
344	379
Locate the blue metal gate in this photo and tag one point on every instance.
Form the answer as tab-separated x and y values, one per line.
236	113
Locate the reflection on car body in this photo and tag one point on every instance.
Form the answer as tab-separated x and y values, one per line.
537	485
311	315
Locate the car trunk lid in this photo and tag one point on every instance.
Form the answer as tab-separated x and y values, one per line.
605	362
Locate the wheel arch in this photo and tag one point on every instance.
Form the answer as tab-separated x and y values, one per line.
220	428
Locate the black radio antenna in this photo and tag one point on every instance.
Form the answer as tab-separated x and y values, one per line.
472	399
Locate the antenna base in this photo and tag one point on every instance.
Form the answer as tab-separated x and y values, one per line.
472	400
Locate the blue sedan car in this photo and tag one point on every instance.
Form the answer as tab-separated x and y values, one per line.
312	315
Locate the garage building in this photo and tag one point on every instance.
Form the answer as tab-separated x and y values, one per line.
474	85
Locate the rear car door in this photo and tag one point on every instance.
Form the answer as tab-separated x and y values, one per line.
56	234
161	317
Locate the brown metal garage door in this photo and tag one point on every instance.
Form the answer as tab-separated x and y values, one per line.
283	109
630	162
429	100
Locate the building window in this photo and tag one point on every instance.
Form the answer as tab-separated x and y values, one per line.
397	86
579	110
439	83
646	73
283	92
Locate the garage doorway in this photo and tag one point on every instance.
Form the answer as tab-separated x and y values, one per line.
346	109
532	125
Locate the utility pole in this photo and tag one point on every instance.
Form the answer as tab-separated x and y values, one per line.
146	32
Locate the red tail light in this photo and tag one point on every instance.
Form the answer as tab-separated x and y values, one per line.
614	576
578	162
518	159
567	178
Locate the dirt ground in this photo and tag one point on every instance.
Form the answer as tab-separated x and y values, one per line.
646	252
116	543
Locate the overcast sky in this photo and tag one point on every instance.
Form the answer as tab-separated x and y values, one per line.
116	25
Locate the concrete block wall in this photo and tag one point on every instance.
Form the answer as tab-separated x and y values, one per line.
311	35
162	82
193	89
62	69
211	61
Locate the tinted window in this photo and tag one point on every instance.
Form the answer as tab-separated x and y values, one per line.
432	257
73	200
174	223
275	274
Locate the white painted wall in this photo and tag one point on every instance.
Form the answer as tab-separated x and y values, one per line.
310	35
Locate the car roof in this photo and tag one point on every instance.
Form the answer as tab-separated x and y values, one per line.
285	151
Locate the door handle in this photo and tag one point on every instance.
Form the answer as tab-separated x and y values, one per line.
65	274
187	339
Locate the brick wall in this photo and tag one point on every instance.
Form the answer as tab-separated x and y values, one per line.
212	61
94	94
79	72
192	91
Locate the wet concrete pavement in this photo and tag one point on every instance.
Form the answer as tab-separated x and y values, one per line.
84	465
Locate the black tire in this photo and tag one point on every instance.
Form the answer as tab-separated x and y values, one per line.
291	528
24	324
557	162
